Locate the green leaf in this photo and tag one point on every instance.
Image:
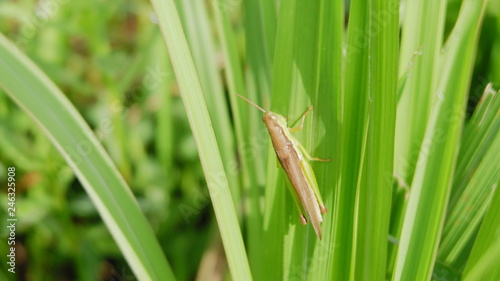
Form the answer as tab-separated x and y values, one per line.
483	260
307	71
197	26
200	122
431	182
46	104
369	114
243	128
473	184
422	36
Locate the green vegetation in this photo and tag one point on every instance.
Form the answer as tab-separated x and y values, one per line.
120	121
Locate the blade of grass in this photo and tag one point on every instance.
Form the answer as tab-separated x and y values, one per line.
354	116
307	70
275	224
422	32
432	179
260	36
375	180
240	110
469	211
421	41
401	192
58	118
483	261
368	143
327	98
204	136
482	136
477	138
202	47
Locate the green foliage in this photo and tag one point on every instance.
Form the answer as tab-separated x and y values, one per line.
33	91
410	122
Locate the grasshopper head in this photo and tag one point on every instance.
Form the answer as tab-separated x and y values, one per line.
274	119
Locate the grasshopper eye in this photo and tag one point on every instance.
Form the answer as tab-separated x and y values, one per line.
270	117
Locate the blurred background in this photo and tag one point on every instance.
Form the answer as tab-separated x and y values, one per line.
108	57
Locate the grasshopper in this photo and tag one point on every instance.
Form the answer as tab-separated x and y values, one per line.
292	156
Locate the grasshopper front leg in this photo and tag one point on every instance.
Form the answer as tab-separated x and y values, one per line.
303	117
304	151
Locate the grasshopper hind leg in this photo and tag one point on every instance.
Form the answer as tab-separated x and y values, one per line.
312	179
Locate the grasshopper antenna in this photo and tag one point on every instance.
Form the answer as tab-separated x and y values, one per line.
252	103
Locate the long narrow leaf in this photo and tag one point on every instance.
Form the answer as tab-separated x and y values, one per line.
204	136
58	118
432	180
196	23
480	143
374	190
422	36
483	261
249	162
